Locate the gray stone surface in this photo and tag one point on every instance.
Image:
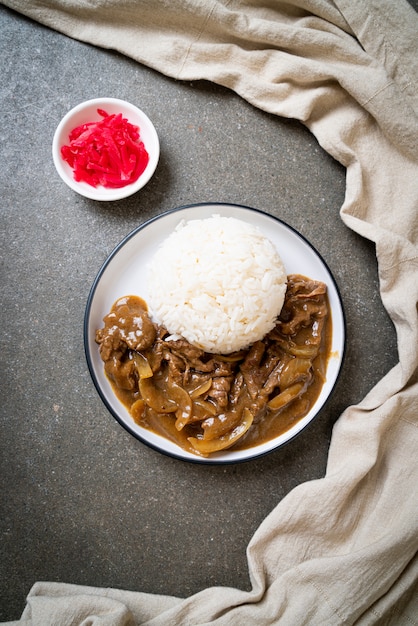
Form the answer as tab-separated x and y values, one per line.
82	501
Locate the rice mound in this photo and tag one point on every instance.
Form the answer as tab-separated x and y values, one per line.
218	282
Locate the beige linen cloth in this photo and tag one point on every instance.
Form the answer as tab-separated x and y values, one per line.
340	550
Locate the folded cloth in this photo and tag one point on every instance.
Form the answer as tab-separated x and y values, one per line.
340	550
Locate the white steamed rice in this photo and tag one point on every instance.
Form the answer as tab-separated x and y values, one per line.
217	282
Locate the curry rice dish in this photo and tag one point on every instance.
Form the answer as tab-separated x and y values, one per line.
237	388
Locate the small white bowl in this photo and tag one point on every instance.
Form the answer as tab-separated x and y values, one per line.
87	112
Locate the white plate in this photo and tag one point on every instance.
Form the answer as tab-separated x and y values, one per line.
123	274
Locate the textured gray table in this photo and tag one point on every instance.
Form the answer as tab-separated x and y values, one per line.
81	500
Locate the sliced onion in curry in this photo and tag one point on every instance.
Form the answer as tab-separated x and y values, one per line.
210	446
201	389
142	365
155	398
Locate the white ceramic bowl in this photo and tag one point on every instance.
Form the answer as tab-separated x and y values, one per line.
87	112
123	273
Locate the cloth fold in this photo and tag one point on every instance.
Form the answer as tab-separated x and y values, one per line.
343	549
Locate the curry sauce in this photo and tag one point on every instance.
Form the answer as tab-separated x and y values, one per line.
209	402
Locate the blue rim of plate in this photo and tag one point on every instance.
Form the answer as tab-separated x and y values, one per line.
88	342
